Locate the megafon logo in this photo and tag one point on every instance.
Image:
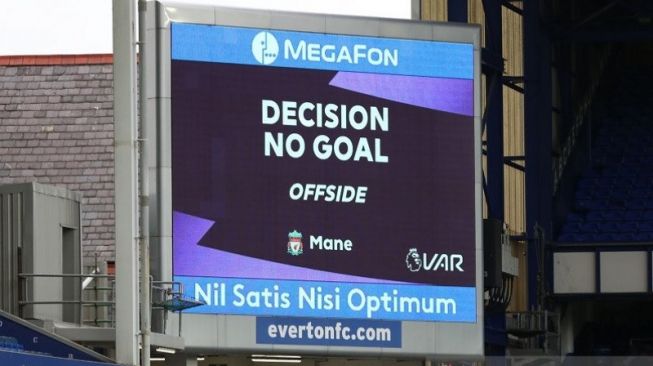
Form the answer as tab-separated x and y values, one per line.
350	54
265	48
435	262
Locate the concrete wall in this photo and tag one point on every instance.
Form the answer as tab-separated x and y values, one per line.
44	239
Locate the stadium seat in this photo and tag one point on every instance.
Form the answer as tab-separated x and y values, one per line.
613	201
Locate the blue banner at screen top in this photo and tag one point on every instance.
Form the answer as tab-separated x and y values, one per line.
328	332
249	46
331	299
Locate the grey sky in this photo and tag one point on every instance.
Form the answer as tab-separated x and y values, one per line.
46	27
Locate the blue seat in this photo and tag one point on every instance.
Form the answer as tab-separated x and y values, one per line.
607	227
604	193
587	182
620	193
602	238
632	215
645	226
592	172
611	172
584	194
643	236
624	237
596	215
570	228
575	217
587	227
627	227
585	237
646	215
613	200
591	204
639	193
612	215
567	238
635	204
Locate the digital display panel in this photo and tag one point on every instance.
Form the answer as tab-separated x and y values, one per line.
321	175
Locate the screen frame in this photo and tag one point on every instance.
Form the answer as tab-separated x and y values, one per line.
212	333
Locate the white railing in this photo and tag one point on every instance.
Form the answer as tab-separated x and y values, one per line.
535	330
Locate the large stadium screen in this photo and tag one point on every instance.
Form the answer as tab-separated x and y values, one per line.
323	175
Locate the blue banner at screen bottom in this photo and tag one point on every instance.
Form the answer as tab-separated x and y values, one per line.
328	332
263	297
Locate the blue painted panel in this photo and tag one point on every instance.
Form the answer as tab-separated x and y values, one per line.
8	358
328	332
15	336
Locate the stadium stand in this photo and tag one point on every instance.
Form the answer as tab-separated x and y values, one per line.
614	197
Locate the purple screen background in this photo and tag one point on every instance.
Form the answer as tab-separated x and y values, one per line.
423	198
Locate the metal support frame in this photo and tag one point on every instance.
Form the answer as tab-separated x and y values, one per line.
604	35
457	11
536	86
513	81
511	162
78	300
143	196
512	7
649	270
493	117
492	67
125	117
586	20
538	141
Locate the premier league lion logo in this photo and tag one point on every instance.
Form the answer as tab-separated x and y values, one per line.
413	261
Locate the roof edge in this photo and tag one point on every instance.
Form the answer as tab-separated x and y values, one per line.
46	60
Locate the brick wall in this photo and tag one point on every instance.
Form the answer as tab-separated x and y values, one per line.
56	127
